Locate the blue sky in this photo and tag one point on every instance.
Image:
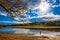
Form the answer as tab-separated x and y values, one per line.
41	9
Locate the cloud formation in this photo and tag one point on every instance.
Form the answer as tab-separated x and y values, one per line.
45	11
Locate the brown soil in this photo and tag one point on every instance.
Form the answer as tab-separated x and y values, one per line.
7	36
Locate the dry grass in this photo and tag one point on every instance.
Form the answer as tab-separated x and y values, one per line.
7	36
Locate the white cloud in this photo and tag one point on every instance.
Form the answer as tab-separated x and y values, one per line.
55	5
3	13
51	16
45	11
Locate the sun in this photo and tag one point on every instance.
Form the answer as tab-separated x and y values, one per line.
44	7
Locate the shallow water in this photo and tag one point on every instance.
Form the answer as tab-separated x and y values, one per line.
17	30
28	31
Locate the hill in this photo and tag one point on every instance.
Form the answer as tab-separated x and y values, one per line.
45	23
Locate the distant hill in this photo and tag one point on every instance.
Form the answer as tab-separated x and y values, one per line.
45	23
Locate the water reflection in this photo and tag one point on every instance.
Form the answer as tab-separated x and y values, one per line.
28	31
18	30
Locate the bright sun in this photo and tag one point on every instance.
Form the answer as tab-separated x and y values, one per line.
44	7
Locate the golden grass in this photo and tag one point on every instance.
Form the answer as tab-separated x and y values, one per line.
7	36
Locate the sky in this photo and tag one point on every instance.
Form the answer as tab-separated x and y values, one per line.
42	10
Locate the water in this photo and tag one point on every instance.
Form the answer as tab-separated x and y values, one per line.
19	30
29	31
